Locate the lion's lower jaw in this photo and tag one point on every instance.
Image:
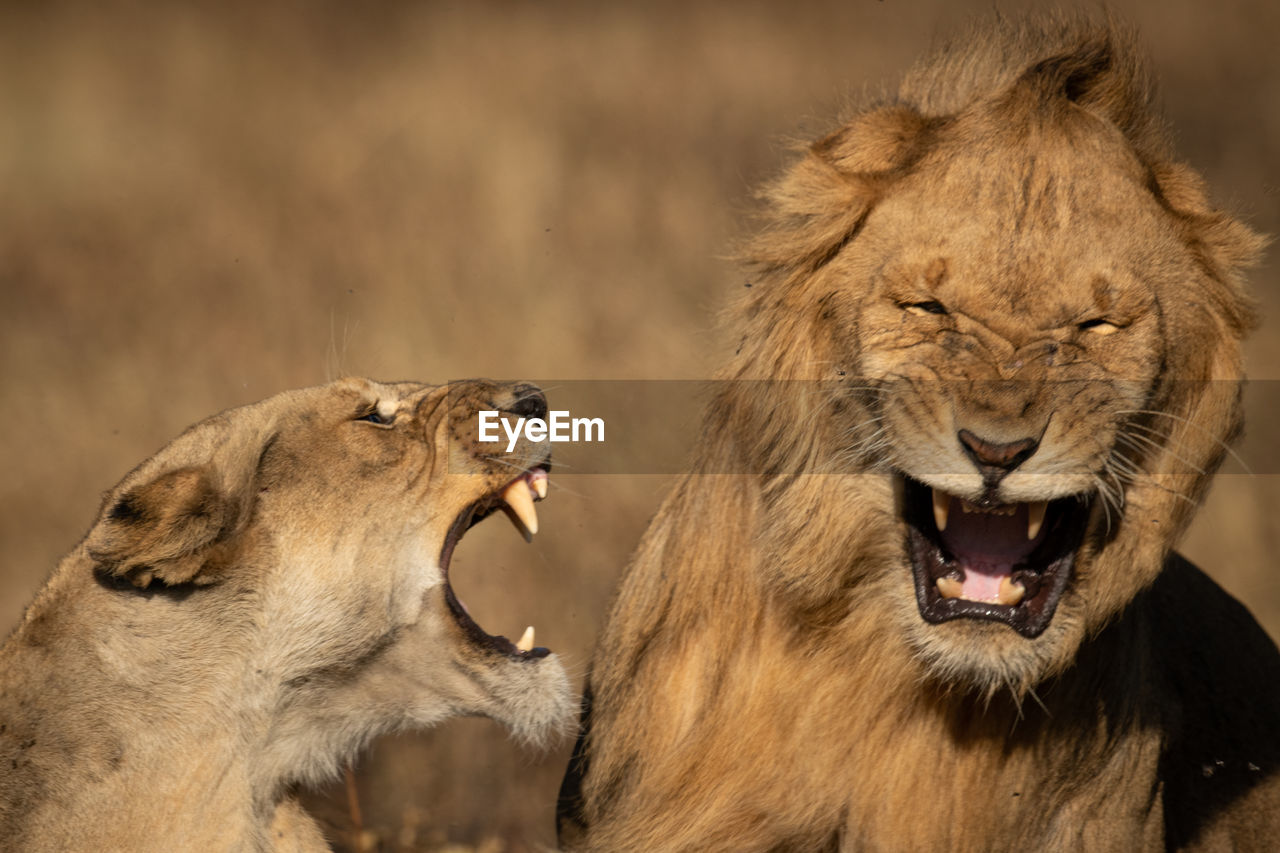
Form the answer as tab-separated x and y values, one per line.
985	658
988	657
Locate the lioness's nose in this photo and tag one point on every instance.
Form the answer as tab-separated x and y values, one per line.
994	461
528	402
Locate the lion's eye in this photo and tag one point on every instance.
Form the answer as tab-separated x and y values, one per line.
922	308
1098	326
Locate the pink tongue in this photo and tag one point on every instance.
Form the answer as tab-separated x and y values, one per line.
979	586
986	547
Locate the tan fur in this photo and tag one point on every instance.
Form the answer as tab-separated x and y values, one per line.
765	680
254	604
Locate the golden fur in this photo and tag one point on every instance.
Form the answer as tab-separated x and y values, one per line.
252	605
1007	247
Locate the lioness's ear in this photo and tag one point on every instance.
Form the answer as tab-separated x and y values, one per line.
164	529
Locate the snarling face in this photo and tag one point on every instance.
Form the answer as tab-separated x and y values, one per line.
338	510
1014	344
1016	351
1031	342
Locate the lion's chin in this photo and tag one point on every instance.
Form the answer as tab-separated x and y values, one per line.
1006	563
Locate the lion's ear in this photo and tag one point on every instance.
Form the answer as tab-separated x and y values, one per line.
165	529
877	141
1223	245
820	203
1104	72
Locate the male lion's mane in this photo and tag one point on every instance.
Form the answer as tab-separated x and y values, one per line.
760	683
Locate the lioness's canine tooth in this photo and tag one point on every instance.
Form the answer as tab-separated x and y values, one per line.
538	482
1035	517
1011	592
517	523
949	587
518	498
941	509
526	640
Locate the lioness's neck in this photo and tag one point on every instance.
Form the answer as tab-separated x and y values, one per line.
168	736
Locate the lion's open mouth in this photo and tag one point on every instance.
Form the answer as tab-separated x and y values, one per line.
1006	563
516	499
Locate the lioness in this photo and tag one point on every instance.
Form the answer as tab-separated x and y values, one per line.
252	605
1000	328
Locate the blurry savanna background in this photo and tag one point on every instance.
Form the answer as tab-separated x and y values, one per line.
203	204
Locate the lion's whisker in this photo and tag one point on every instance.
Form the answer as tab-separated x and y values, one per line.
1158	438
1187	422
1138	442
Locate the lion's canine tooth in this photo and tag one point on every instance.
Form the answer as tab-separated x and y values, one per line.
949	587
1011	592
1035	517
941	509
526	640
520	503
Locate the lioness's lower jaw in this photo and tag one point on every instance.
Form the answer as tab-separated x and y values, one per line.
516	499
1008	563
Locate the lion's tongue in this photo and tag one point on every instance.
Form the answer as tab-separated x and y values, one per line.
986	547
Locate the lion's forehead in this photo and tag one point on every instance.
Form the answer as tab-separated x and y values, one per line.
1043	195
1020	264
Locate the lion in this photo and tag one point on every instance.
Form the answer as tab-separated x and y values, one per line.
254	604
918	591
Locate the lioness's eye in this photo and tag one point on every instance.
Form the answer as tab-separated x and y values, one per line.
1098	326
374	416
922	308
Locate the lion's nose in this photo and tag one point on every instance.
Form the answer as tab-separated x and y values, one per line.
995	461
528	402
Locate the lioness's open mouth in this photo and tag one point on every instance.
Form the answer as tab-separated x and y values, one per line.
1006	563
516	499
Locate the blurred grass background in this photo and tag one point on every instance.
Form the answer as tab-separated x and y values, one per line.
203	204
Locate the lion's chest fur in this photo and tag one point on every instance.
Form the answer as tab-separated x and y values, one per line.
777	742
775	735
940	780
